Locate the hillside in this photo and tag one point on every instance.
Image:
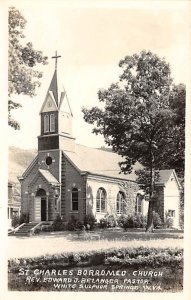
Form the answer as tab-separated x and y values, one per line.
19	160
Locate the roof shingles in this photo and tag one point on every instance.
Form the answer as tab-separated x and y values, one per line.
96	161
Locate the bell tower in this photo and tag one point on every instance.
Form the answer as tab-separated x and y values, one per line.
56	118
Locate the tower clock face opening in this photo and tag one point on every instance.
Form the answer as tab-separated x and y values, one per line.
49	161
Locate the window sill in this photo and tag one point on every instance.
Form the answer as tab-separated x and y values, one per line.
74	212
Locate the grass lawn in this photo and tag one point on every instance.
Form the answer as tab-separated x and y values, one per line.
59	242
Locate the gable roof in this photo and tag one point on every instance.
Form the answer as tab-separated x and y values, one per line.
64	103
49	98
99	162
165	175
49	177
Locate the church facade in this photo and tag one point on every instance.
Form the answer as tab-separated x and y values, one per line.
69	179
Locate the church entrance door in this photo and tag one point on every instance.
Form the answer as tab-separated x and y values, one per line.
40	206
43	209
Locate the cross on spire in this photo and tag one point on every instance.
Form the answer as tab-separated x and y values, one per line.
56	59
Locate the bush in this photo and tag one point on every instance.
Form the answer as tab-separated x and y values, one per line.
47	228
141	220
121	220
74	224
37	230
107	222
134	221
182	219
90	221
79	225
129	222
156	220
169	222
111	222
15	220
57	224
137	257
103	223
24	218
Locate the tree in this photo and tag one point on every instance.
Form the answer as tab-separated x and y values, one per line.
138	117
175	153
22	78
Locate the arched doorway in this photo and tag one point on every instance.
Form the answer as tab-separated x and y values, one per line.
40	205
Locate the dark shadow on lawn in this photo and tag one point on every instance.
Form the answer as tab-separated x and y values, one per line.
125	236
111	235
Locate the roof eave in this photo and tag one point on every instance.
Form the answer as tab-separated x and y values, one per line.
106	176
50	182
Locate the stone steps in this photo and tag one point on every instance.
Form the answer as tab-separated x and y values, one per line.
25	229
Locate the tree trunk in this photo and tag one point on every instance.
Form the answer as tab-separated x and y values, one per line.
150	225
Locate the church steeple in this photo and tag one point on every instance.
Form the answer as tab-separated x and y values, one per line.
54	86
56	118
56	59
54	83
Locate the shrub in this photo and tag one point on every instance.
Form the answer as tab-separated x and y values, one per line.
73	224
90	220
121	220
24	218
79	225
111	222
141	221
169	222
74	259
133	221
37	230
47	228
182	219
103	223
137	257
108	221
129	222
57	224
15	220
156	220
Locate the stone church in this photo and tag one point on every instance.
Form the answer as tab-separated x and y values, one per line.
73	180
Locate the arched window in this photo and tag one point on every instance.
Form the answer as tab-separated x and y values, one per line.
138	204
101	200
46	123
75	199
52	123
121	205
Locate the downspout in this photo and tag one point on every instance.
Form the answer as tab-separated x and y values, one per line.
60	171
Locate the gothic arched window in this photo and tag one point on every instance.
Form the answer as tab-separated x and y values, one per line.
121	205
52	123
101	200
138	205
75	199
46	123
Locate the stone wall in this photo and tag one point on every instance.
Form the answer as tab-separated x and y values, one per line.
112	188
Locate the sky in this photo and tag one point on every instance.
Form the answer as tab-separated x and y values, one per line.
92	37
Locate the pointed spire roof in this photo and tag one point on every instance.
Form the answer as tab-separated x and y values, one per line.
56	97
54	86
54	83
